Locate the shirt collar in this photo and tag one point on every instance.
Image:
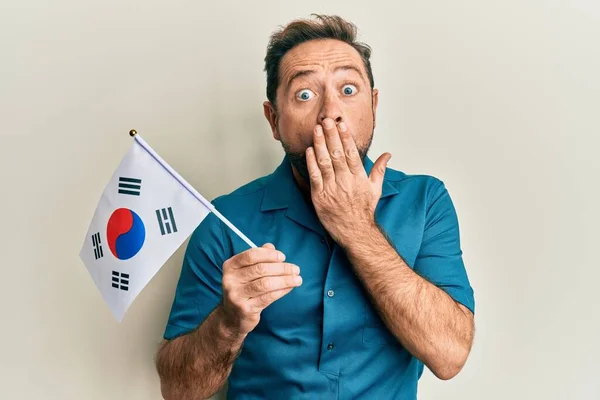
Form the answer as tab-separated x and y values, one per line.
282	192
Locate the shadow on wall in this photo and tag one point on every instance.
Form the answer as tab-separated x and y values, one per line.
238	150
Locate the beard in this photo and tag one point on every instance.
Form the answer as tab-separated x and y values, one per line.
298	159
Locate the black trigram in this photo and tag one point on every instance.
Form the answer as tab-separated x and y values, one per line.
130	186
97	245
166	221
120	280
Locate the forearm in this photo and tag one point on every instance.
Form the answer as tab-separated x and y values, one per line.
196	365
426	320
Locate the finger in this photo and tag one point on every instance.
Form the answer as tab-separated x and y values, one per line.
269	284
322	156
350	150
255	256
260	270
378	170
334	146
314	173
264	300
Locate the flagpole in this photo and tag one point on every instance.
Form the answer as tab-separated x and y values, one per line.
193	192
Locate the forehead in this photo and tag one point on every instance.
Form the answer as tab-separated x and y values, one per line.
323	54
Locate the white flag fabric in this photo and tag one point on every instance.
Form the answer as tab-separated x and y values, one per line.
144	215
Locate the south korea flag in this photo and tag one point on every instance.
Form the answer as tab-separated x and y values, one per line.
145	213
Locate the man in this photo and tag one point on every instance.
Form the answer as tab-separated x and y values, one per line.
361	281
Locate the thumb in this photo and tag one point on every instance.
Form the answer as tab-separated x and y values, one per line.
378	171
268	246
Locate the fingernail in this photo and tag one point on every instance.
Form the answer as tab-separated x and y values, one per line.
298	279
328	123
342	127
280	256
319	130
296	269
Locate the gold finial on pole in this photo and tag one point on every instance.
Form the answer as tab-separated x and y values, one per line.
132	132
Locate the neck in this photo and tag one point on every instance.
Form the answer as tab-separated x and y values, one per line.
302	185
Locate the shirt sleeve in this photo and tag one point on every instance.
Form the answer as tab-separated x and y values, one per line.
199	288
440	256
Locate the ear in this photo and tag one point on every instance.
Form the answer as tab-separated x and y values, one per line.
271	116
375	102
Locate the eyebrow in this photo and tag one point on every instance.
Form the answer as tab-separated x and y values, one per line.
306	72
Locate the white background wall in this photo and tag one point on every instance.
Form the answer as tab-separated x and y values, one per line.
501	100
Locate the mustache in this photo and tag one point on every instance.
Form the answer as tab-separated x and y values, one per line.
298	159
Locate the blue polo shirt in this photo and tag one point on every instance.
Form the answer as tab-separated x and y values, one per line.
323	340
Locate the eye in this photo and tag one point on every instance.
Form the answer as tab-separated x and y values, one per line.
305	95
349	90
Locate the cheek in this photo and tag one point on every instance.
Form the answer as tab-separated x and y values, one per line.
361	126
361	121
296	129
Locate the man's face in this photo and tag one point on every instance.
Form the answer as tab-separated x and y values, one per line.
321	79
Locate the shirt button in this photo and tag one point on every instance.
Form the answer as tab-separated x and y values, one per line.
330	293
330	346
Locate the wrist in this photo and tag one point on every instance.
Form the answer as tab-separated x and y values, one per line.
229	327
362	235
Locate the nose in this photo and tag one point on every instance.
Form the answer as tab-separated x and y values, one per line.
331	108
